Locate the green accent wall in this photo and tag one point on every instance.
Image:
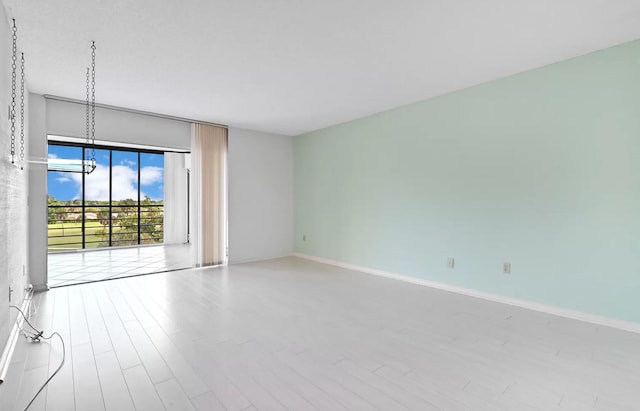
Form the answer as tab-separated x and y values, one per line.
541	169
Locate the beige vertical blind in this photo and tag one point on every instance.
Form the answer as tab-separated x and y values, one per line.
209	193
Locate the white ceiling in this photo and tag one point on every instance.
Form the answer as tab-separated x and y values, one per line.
291	66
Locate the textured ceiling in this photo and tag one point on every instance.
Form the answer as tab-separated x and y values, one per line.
291	66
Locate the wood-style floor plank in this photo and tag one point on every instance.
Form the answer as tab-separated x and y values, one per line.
288	334
100	340
145	397
172	396
60	391
87	389
122	345
188	379
114	387
151	359
207	402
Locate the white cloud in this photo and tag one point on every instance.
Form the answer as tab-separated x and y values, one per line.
63	179
51	155
150	175
97	183
123	182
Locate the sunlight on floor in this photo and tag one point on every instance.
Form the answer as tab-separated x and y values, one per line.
86	266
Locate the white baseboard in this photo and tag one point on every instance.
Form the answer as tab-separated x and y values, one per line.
549	309
259	259
7	352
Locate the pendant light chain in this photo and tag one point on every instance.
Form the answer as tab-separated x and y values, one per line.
12	113
93	101
88	110
22	111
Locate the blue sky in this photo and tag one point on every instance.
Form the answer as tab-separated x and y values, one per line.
67	186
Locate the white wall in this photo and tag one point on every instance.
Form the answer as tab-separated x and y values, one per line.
13	197
37	225
260	195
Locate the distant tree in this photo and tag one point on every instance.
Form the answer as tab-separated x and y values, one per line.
151	221
53	213
125	222
103	216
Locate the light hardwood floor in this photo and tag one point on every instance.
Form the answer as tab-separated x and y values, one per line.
289	334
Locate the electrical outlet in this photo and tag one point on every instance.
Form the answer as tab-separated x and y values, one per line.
450	262
304	237
506	268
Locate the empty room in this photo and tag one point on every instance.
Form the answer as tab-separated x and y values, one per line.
320	205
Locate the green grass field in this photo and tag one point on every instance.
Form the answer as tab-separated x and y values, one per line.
68	235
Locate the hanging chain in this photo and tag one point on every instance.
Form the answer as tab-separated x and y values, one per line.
12	113
93	100
22	111
88	111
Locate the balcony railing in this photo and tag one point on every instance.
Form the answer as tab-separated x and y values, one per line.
91	226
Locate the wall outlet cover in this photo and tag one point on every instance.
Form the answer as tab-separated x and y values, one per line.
506	268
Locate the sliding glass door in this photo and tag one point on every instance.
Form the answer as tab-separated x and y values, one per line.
121	203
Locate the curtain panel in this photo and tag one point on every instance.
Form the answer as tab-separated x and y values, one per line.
209	194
